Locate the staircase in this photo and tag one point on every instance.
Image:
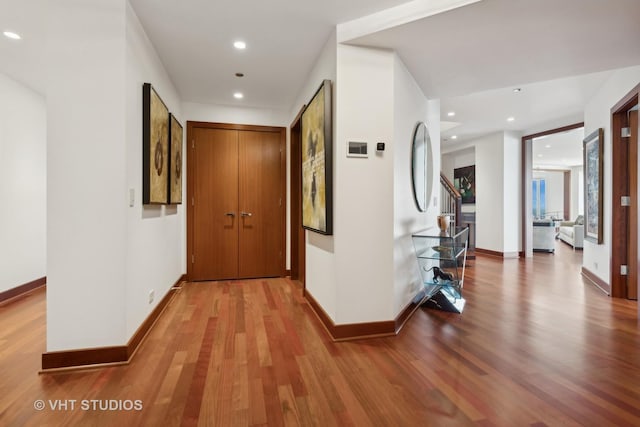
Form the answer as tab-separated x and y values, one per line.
451	205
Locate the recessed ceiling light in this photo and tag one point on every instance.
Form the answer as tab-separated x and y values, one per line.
238	95
239	44
451	113
510	119
547	146
12	35
454	137
517	90
539	155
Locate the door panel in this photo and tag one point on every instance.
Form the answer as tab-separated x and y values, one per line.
632	242
260	234
215	218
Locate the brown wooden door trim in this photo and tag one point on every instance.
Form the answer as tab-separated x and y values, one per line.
297	233
620	181
526	170
191	126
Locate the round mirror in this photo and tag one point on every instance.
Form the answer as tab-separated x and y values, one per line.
421	166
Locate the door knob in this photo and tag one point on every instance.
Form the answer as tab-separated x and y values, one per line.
245	213
230	214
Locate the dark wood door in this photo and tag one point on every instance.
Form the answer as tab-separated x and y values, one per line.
260	205
215	204
632	242
237	211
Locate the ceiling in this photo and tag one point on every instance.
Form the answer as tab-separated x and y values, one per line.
470	57
284	37
559	150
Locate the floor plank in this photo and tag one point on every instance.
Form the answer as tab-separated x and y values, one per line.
537	345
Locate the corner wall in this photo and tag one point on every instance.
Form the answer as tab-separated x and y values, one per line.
320	260
411	107
363	187
155	235
86	174
23	184
498	190
598	115
104	256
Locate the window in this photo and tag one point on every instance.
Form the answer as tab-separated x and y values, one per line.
539	195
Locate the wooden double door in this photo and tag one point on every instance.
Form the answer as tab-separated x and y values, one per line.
237	212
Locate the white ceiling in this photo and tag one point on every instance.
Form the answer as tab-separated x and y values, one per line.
538	107
284	37
559	150
474	50
474	56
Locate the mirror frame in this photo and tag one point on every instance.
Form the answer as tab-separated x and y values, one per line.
423	205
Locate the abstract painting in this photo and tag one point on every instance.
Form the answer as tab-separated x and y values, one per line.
175	161
317	209
155	147
464	179
593	148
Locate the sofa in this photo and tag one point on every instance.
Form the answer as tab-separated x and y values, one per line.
572	232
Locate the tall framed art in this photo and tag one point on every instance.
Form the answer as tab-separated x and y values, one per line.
155	147
317	159
593	149
175	160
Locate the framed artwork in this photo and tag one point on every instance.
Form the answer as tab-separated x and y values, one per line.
464	179
593	149
155	147
317	155
175	160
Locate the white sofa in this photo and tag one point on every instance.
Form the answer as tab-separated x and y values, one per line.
572	232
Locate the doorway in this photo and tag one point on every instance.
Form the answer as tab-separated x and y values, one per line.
236	205
536	185
624	208
298	250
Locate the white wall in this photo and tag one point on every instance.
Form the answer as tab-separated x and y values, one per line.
367	271
512	177
498	188
363	188
411	107
576	190
239	115
489	192
598	115
320	260
86	174
155	235
103	256
23	184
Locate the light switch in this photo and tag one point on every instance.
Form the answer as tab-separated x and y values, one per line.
132	197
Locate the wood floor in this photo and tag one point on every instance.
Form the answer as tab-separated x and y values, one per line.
535	346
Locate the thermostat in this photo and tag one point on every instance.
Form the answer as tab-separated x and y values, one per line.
357	149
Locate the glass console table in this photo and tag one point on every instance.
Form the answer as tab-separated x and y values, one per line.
442	259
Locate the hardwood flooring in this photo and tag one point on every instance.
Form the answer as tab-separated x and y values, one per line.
535	346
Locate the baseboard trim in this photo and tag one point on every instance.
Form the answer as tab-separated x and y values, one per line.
604	287
145	327
55	361
503	255
14	293
355	331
